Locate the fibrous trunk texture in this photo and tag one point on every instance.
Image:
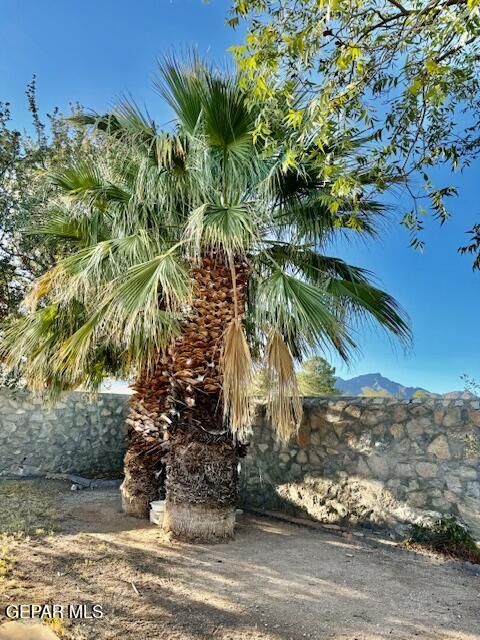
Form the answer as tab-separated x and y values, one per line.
147	439
202	476
202	489
176	419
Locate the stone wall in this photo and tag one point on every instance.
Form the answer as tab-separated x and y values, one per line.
74	436
375	461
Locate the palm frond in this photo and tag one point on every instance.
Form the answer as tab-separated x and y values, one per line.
213	228
302	313
316	219
31	343
237	371
60	225
84	182
132	127
163	278
314	267
284	406
368	302
181	86
227	119
209	104
127	118
84	274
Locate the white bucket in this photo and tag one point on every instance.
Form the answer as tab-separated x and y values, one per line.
156	511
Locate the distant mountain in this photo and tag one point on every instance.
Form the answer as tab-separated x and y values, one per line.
459	395
374	384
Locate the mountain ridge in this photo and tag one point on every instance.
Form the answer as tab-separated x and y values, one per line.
375	384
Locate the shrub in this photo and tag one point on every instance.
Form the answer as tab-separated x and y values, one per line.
447	536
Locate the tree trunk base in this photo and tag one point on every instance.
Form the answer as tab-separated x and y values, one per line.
199	523
140	486
134	506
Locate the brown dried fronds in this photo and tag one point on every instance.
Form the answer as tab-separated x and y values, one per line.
284	405
42	287
237	371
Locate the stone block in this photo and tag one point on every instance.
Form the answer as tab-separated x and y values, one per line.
350	439
342	425
402	447
419	410
333	415
404	470
362	468
439	448
397	430
438	415
330	439
400	413
454	484
467	473
302	457
469	509
371	418
452	418
417	427
426	469
440	503
304	436
474	418
379	465
296	470
37	416
473	489
353	411
417	499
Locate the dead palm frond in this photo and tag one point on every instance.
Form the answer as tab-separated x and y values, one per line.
237	369
284	405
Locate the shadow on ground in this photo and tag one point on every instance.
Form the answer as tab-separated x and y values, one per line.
275	581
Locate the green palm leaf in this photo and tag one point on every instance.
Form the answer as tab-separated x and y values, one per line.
302	313
366	301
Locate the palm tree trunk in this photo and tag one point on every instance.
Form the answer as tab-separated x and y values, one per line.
202	487
147	439
202	463
178	404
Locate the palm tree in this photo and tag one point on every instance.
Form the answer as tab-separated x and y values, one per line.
197	252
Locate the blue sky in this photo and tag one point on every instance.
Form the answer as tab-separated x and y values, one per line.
93	52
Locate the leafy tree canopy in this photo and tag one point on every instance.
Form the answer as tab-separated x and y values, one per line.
261	383
420	393
368	392
25	194
317	378
406	70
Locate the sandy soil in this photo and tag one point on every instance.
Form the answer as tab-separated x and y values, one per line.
276	581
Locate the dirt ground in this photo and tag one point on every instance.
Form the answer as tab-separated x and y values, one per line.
275	581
